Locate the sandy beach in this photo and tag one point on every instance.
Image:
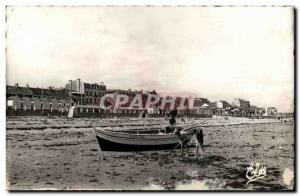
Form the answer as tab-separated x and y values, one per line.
50	153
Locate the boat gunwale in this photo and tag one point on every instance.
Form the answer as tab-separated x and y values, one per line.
172	137
124	133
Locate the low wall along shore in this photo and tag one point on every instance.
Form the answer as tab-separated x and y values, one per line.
90	114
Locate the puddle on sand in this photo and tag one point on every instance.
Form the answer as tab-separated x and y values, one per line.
288	176
192	185
189	185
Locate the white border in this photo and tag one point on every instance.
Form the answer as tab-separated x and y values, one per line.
150	2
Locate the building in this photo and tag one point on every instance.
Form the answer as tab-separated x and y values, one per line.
18	91
241	103
92	93
286	115
257	112
37	99
26	103
111	101
271	112
153	108
13	103
181	105
184	106
241	107
124	108
87	97
203	105
221	108
83	93
50	93
36	104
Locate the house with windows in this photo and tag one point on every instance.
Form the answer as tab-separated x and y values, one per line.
25	103
271	111
221	108
83	93
13	103
36	99
241	107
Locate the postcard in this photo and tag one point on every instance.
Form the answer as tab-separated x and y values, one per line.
150	98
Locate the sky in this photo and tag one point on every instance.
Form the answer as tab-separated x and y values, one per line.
219	53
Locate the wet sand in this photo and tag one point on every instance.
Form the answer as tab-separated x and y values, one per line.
49	153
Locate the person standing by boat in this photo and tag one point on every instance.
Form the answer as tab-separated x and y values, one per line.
172	121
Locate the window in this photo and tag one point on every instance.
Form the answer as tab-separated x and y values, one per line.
10	103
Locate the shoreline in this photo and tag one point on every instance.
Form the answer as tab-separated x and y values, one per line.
158	121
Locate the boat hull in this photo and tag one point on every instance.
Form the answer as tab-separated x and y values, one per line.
107	145
124	142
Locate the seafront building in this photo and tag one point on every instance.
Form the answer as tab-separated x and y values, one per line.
222	108
83	93
272	111
37	99
87	96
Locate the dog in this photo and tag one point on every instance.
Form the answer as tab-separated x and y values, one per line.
196	135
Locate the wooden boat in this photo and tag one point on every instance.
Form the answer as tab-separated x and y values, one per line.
132	140
139	138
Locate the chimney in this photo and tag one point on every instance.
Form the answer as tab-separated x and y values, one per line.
17	85
27	85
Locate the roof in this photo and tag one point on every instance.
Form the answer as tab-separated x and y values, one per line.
62	93
14	97
28	91
120	91
213	105
25	99
204	100
205	105
13	90
225	104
